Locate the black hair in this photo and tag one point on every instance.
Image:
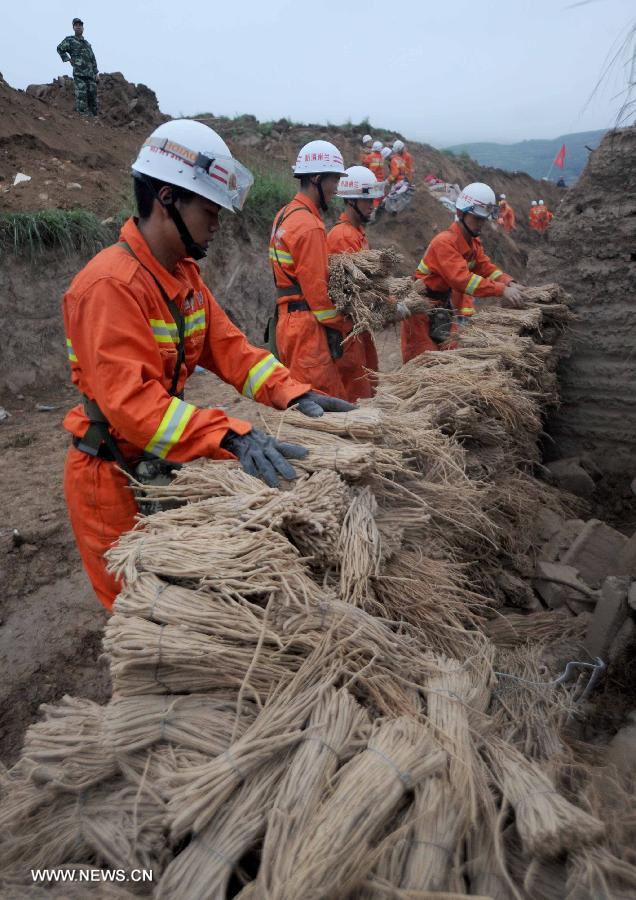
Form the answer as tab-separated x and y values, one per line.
146	190
305	180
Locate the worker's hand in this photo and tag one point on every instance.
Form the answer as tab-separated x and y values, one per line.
262	456
313	404
513	297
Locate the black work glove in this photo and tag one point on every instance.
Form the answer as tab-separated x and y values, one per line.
313	404
263	456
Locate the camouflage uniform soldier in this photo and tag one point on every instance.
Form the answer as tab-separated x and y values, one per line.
76	50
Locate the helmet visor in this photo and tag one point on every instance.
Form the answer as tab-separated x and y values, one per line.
484	210
228	173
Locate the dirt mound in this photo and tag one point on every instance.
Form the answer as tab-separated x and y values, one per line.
120	102
591	254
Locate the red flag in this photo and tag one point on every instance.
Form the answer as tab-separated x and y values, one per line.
559	160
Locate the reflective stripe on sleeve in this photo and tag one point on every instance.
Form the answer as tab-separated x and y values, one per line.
473	283
423	268
323	314
164	332
496	274
70	351
258	375
467	311
194	322
170	428
281	256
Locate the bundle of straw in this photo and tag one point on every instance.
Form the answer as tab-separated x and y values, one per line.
515	629
335	856
360	549
69	749
547	823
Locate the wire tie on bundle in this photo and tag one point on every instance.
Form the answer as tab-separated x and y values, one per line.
405	777
441	847
314	737
230	863
233	765
158	663
158	592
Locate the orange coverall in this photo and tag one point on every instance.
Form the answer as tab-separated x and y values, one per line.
299	260
121	343
398	169
365	157
507	216
408	164
376	164
360	352
533	219
543	218
450	263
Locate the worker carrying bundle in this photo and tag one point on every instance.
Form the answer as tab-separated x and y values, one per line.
358	188
506	216
138	320
307	328
454	269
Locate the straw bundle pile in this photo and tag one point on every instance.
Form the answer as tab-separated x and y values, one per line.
306	701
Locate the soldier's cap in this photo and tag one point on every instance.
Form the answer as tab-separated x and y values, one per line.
77	22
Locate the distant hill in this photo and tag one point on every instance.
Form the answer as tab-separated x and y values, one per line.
535	157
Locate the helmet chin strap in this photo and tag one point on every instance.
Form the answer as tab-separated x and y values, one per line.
196	251
472	233
354	205
323	204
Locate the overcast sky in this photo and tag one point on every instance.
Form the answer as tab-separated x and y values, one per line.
461	70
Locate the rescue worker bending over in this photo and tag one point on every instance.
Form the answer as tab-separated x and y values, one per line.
455	268
138	319
506	215
358	188
309	329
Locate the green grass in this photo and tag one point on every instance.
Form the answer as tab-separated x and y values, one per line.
67	231
270	191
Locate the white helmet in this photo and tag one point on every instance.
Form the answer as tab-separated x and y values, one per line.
319	157
534	203
398	146
359	183
478	199
540	202
367	139
193	156
502	196
386	152
377	146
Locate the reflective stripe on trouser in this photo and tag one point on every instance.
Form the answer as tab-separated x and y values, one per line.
415	338
171	427
302	347
258	375
101	508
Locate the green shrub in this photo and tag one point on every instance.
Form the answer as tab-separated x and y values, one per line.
69	231
270	191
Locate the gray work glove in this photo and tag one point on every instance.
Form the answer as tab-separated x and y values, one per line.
262	456
313	404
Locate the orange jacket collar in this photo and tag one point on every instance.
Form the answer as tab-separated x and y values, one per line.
176	287
306	201
345	218
464	246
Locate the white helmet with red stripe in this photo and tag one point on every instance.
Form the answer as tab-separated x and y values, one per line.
193	156
479	199
386	152
318	157
376	146
359	183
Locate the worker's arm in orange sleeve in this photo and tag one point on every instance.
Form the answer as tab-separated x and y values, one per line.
254	372
394	170
121	369
312	272
486	268
444	258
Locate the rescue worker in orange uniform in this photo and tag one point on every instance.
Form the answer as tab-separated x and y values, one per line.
532	216
376	161
399	147
397	168
455	268
506	215
358	188
543	217
309	329
365	152
138	319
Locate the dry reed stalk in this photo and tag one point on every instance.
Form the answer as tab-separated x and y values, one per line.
431	853
528	712
335	731
69	749
456	697
335	857
198	794
381	890
203	722
360	290
204	868
19	797
146	658
486	864
516	629
360	547
594	873
13	886
243	565
547	823
549	294
110	824
365	424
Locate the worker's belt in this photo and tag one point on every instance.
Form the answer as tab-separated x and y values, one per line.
290	290
298	306
101	451
440	296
